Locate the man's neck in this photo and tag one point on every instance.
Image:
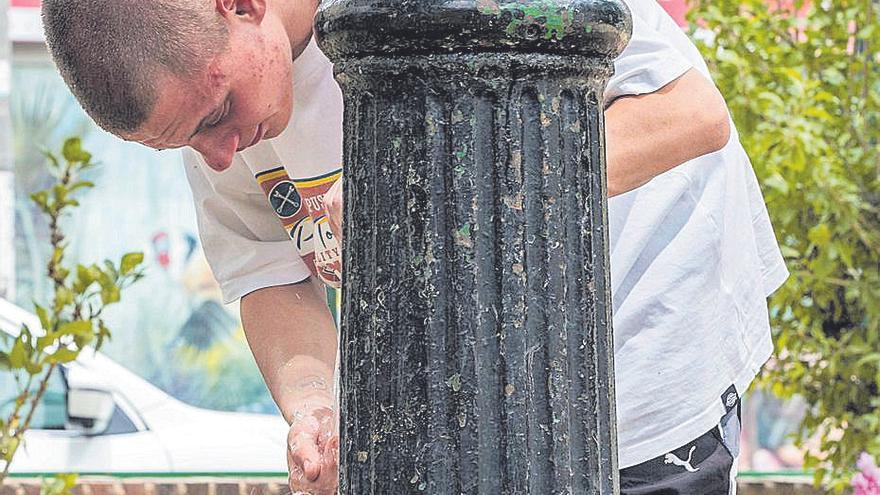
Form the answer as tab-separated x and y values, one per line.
298	17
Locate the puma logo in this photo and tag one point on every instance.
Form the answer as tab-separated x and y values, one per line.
673	459
731	400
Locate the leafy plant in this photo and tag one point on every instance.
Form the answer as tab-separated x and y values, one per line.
60	484
73	321
802	81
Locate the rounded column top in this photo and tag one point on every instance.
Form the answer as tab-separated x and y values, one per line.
358	28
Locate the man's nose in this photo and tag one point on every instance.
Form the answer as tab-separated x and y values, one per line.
218	150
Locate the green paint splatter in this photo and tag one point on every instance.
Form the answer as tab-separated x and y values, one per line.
454	382
463	236
547	15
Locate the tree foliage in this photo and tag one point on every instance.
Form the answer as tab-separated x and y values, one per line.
73	321
802	81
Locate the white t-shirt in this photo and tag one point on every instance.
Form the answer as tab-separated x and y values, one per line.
693	257
693	254
277	183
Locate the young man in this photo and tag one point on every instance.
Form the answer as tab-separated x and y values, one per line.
241	83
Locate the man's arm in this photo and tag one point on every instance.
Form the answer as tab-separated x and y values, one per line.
649	134
293	338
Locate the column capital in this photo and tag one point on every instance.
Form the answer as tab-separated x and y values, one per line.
358	28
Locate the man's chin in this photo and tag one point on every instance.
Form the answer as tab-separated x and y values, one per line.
272	132
276	125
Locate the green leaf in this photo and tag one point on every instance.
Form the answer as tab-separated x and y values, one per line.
74	153
111	272
44	317
61	484
53	160
820	235
789	252
57	255
103	334
18	355
81	184
63	355
41	198
59	195
777	182
110	295
85	277
9	447
46	341
79	327
83	340
33	368
869	358
63	297
798	159
129	262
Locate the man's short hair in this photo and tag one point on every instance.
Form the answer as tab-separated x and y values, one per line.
111	52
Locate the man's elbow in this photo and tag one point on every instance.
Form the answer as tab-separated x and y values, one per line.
715	125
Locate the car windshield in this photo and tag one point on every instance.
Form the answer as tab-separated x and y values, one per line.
51	413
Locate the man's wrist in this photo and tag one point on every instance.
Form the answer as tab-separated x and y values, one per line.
314	404
307	394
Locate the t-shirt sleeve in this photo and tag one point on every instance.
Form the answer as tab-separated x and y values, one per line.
648	63
245	244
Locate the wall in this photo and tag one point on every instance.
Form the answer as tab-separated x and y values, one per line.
7	232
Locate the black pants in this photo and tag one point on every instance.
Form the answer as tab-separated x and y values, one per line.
701	467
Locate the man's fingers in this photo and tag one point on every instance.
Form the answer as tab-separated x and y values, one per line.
312	470
333	208
305	455
331	454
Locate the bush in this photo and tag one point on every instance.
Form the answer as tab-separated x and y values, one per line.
802	82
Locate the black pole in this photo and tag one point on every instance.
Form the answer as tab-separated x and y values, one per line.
476	329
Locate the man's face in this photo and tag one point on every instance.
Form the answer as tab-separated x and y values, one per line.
244	95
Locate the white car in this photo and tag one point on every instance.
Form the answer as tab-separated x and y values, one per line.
98	417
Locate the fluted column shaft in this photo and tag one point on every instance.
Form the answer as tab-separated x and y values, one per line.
476	330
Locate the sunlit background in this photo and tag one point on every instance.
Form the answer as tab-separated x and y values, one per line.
171	329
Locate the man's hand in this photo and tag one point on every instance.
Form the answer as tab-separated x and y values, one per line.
313	450
333	202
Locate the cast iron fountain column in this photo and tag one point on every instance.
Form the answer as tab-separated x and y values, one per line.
476	330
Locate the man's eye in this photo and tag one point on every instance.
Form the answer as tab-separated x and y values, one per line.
219	118
216	121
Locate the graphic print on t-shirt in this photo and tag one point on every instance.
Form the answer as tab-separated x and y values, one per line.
327	252
299	206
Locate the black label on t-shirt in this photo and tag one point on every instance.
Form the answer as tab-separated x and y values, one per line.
730	398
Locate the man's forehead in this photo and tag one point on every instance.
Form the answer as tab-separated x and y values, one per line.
180	105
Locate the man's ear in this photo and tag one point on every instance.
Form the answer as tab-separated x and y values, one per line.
253	10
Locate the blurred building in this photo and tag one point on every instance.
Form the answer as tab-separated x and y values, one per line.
7	253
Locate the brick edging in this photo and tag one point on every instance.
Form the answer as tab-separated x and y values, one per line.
156	486
278	486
